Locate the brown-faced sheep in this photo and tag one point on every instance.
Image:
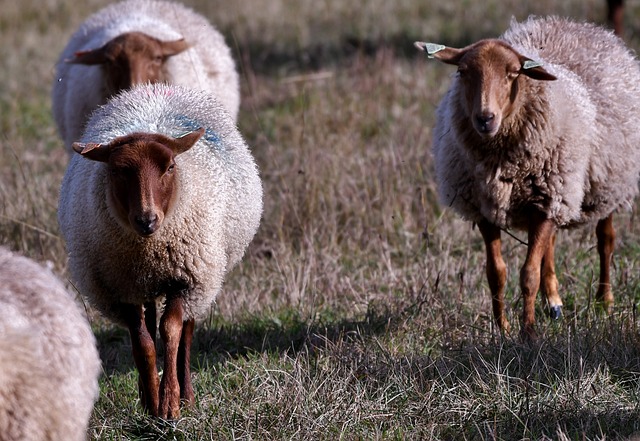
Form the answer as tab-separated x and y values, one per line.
539	131
49	363
160	202
134	42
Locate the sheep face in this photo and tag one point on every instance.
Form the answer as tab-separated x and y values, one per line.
131	58
489	73
141	175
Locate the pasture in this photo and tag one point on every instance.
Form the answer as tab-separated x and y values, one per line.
361	309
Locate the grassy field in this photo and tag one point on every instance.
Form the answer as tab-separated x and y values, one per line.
361	310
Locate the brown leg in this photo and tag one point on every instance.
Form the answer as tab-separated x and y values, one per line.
150	319
496	271
170	332
540	232
184	363
606	235
615	9
144	356
549	280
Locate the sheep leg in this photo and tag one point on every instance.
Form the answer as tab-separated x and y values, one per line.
150	319
540	232
496	271
615	15
550	281
606	241
184	362
170	332
144	356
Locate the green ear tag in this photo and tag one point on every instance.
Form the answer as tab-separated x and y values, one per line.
432	48
530	64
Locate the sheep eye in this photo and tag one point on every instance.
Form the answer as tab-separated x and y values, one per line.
171	168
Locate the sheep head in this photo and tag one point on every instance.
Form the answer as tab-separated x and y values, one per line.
141	175
490	72
131	58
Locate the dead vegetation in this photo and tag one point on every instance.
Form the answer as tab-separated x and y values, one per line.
361	310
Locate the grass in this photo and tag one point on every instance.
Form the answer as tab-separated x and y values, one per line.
361	310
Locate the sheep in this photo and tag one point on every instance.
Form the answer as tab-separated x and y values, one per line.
49	364
538	131
134	42
615	15
160	202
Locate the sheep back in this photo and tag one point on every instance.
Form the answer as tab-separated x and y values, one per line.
49	364
215	216
207	64
572	151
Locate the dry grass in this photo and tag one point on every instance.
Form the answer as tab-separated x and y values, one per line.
361	310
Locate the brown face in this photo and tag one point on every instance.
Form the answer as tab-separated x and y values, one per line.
142	181
142	176
490	72
489	76
134	59
131	58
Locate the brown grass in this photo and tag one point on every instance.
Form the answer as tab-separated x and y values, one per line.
361	310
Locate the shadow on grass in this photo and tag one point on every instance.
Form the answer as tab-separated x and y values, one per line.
216	340
575	383
583	424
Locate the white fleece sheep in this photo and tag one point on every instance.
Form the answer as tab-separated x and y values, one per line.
206	64
121	261
538	131
49	364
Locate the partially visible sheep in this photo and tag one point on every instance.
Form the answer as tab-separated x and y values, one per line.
134	42
160	203
539	145
49	364
615	15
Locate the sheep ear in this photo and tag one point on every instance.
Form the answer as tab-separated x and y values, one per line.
93	151
533	69
183	143
445	54
95	56
170	48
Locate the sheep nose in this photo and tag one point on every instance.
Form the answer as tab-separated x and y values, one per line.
146	224
485	121
486	118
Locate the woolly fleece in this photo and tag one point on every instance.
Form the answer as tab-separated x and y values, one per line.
207	64
49	364
216	214
572	151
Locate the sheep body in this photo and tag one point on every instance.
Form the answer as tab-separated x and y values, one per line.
207	64
49	364
216	214
573	152
538	131
160	203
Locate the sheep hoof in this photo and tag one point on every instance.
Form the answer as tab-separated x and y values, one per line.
555	312
528	335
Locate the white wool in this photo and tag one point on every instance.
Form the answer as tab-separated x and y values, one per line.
579	147
49	363
215	217
207	64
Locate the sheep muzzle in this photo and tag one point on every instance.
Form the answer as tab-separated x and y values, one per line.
146	224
